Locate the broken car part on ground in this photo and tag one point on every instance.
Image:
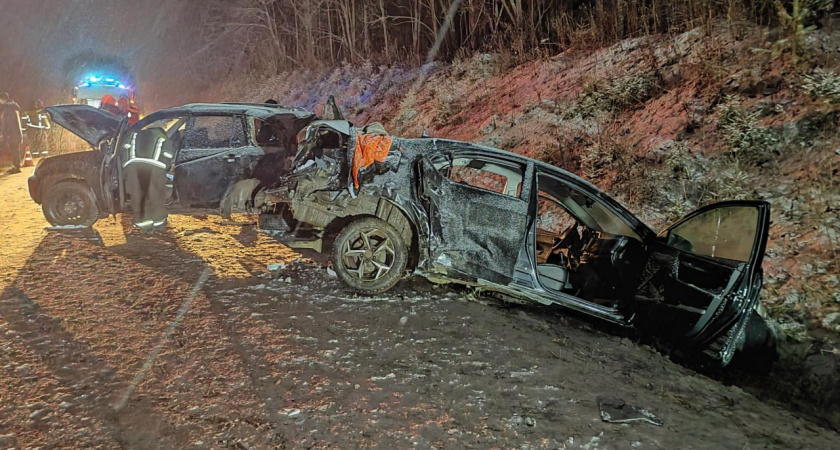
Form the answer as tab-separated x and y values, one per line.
458	212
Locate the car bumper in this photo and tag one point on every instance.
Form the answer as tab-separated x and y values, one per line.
33	189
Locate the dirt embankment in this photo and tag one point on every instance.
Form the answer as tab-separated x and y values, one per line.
665	124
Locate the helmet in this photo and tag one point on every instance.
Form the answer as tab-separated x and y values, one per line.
108	99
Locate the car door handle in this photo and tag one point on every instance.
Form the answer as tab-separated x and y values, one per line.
232	157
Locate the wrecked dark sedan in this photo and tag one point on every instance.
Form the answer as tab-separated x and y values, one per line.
456	212
225	153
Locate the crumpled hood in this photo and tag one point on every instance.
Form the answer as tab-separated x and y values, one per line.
92	125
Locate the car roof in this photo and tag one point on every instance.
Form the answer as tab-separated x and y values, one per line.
258	110
441	145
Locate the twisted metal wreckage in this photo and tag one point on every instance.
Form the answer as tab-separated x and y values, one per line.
450	211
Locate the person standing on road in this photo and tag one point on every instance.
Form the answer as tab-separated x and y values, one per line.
109	103
149	155
10	129
37	123
128	110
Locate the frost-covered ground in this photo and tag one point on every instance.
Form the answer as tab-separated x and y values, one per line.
110	339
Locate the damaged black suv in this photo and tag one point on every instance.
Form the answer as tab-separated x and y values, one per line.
226	153
456	212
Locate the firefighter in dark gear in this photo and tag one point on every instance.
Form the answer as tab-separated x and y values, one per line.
10	129
148	157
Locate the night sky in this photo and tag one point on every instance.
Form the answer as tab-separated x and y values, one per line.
45	45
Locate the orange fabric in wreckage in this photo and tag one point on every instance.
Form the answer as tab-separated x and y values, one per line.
369	149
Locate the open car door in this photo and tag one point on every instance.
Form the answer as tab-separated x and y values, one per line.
703	276
476	233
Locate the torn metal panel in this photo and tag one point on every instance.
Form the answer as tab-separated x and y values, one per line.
238	197
471	241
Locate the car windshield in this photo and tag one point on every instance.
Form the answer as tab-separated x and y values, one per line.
585	209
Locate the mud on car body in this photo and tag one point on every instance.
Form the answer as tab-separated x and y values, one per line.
225	153
462	213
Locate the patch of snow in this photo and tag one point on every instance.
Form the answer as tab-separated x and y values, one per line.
832	322
386	377
290	412
66	227
522	373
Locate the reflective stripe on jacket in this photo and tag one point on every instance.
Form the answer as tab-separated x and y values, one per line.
149	147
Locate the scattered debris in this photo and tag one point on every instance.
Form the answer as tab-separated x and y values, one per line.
616	410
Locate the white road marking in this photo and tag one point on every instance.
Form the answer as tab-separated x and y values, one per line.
150	361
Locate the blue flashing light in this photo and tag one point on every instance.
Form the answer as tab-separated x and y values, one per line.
98	80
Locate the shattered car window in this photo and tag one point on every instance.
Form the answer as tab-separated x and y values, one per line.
551	217
505	180
726	232
171	125
215	132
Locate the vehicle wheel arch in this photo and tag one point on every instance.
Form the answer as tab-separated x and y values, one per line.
362	259
48	182
403	223
86	191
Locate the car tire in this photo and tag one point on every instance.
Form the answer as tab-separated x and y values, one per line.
70	203
370	256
